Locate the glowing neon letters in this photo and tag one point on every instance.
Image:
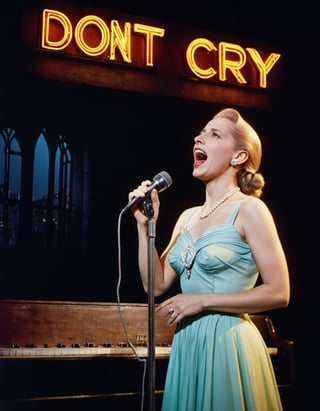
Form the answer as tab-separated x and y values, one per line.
223	61
232	57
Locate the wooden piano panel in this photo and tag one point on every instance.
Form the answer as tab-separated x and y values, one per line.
52	322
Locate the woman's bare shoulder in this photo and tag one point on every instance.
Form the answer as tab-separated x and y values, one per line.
254	209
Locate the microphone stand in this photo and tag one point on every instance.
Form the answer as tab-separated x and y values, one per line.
148	209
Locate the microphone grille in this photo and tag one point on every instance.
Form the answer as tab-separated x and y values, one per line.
163	180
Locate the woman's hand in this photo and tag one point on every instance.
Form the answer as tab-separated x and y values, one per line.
180	306
140	192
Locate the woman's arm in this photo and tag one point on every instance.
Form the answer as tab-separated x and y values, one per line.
164	275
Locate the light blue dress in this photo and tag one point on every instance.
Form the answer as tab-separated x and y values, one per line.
218	361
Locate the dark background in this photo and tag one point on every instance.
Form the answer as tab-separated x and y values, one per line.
157	135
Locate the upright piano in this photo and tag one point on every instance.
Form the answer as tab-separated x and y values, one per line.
58	355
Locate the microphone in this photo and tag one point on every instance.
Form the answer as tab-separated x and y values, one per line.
161	182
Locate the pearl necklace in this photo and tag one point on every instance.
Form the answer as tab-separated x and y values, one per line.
204	214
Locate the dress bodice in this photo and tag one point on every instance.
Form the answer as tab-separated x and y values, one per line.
219	260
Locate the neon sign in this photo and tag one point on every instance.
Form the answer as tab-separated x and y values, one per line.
206	60
235	62
109	38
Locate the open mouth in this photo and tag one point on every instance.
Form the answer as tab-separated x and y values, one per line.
199	157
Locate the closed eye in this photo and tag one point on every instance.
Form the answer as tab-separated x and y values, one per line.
215	133
212	132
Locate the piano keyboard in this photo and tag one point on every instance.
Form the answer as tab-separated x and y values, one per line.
82	352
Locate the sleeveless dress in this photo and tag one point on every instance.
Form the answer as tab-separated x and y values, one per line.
218	361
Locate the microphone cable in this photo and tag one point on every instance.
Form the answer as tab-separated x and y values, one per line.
143	360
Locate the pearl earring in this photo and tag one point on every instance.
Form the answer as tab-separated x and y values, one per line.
233	162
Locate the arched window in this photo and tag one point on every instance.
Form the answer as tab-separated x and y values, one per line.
40	189
55	188
62	172
10	186
52	191
40	169
62	193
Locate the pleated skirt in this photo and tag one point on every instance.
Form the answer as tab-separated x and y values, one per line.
220	362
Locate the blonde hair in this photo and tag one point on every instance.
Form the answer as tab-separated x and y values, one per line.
250	181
